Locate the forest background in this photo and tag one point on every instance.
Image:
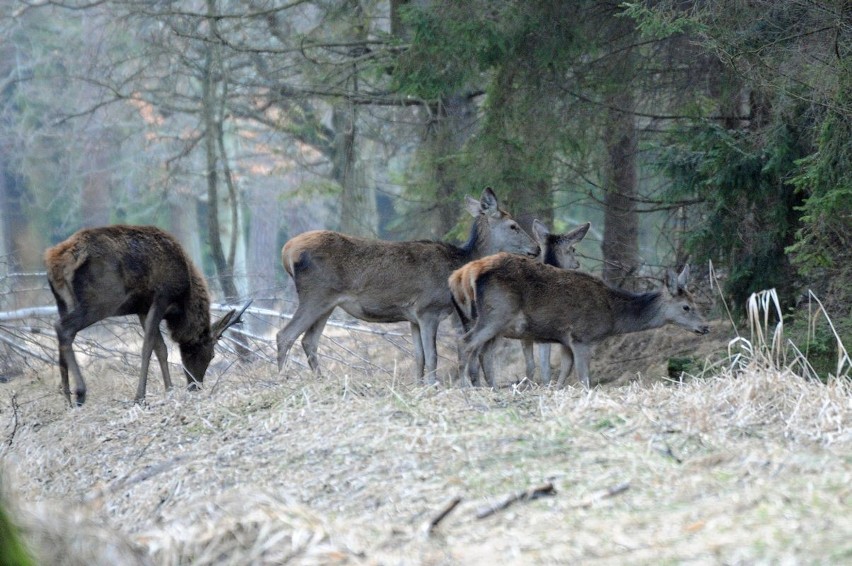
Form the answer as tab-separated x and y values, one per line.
685	131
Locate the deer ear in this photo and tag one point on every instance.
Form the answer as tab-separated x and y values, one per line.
488	203
540	231
671	282
220	326
472	206
683	278
231	318
578	234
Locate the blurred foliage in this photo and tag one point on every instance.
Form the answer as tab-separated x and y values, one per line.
12	550
749	207
774	181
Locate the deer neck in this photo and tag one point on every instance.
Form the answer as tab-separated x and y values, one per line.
635	312
190	323
479	241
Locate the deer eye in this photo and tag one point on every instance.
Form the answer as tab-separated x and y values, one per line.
515	227
686	308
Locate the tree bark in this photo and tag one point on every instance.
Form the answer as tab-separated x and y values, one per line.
212	126
620	245
621	220
358	214
443	140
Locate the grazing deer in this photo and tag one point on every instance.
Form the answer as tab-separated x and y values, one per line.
556	250
519	298
119	270
381	281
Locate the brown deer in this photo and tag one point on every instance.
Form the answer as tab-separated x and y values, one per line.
556	250
519	298
120	270
381	281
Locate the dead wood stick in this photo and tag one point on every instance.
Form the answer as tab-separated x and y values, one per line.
609	492
15	414
527	495
442	514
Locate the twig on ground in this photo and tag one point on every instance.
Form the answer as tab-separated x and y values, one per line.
15	422
432	523
528	495
609	492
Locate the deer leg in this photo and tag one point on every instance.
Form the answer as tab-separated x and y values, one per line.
310	341
544	362
162	353
488	355
417	342
482	334
66	330
66	361
480	358
429	337
583	358
152	335
529	357
461	328
565	366
306	315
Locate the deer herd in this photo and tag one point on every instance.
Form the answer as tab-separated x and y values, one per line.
501	283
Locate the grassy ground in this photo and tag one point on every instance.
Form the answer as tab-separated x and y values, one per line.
751	465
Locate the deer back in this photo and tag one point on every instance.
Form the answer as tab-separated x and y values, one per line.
376	279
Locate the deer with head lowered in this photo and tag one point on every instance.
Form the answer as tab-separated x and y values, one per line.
120	270
518	298
380	281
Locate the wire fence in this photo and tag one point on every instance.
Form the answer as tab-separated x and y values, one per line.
28	339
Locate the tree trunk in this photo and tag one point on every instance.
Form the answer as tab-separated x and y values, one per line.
358	214
443	140
263	254
183	222
212	126
621	220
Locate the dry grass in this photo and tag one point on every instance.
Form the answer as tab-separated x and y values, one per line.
751	465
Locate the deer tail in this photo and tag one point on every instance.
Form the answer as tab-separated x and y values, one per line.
62	261
463	288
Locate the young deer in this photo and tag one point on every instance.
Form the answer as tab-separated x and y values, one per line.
381	281
119	270
556	250
519	298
